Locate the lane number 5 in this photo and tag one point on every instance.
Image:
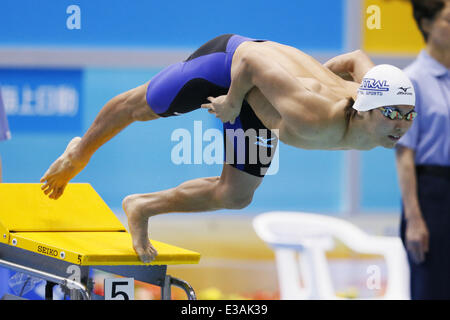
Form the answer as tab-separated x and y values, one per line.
119	289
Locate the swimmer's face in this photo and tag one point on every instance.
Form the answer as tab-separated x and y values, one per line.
386	131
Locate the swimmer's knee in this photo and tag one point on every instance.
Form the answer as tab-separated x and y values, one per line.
238	202
144	113
230	198
136	102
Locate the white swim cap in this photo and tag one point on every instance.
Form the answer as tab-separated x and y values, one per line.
384	85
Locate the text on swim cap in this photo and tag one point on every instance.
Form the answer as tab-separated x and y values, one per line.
374	85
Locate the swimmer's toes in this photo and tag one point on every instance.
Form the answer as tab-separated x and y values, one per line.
145	259
60	191
152	254
45	177
153	251
52	195
144	256
50	188
56	192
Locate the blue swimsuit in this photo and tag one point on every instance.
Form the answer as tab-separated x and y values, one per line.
185	86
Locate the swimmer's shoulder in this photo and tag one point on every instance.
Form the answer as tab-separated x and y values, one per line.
269	47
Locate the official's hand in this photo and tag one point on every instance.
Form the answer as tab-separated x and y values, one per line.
222	109
417	238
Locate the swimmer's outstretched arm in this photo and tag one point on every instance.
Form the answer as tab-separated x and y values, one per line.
355	63
115	115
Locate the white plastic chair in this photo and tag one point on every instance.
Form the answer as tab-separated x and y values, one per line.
311	235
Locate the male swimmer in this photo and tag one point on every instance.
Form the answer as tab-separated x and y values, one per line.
248	84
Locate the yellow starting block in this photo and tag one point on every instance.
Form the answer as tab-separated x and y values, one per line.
44	237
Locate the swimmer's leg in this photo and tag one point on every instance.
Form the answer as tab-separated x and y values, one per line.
118	113
234	189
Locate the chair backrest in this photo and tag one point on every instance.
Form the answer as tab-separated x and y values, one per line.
291	233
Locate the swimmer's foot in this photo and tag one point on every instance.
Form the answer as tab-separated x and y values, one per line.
138	226
62	171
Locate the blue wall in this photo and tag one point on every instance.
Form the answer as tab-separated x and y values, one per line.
379	182
173	23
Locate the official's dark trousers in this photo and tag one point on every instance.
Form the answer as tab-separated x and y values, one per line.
431	278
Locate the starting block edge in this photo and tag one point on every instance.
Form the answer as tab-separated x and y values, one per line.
33	242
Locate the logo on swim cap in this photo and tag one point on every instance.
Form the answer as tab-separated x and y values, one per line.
378	89
374	85
404	91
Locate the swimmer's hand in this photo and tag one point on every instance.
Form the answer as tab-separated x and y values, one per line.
222	108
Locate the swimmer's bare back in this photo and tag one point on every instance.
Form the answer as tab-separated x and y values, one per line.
322	94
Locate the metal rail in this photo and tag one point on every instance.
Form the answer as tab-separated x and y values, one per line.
50	277
185	286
